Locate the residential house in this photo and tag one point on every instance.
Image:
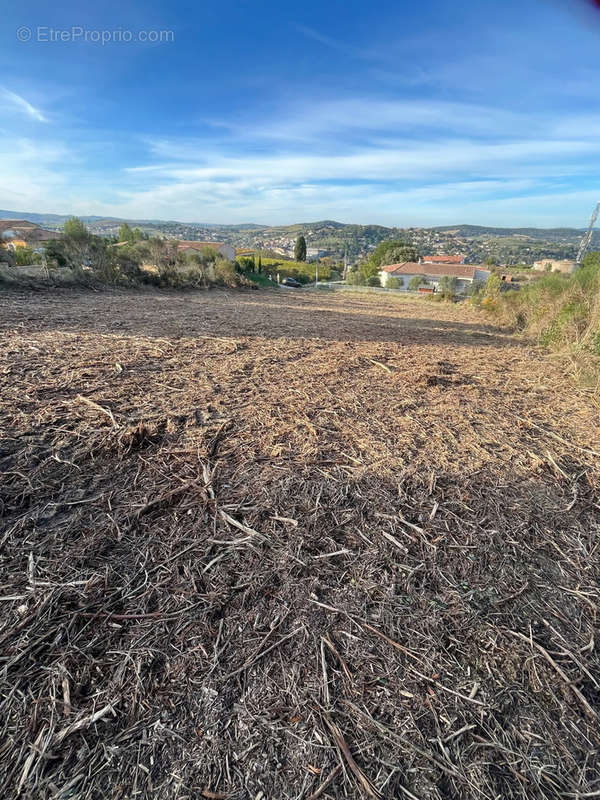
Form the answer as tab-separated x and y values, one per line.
555	265
22	233
433	273
223	249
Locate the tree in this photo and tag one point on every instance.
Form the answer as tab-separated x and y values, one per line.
260	264
416	281
55	252
493	286
163	255
393	283
476	287
392	252
491	261
448	286
300	249
355	278
126	234
75	228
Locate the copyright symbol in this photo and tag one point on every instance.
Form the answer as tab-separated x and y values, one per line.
23	33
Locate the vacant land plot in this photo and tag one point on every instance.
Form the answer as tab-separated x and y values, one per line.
292	545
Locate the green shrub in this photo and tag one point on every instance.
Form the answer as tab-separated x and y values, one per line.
560	311
447	287
225	273
416	281
25	256
493	286
355	278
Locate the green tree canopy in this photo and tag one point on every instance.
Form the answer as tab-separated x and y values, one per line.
416	281
448	286
355	278
392	252
125	234
300	249
75	228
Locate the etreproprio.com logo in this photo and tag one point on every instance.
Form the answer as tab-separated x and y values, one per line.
45	34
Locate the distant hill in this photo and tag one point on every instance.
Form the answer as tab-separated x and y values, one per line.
533	233
318	226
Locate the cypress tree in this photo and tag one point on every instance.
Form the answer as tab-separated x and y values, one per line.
300	249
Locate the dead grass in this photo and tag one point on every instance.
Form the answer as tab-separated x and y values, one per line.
292	546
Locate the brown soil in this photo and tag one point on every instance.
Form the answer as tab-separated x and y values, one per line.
292	545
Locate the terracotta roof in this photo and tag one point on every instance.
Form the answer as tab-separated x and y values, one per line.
443	259
412	268
16	223
27	230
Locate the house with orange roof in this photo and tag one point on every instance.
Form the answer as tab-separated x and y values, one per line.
432	274
22	233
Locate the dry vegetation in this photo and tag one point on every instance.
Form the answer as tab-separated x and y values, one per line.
292	546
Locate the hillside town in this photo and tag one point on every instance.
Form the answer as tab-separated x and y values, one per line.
28	249
350	244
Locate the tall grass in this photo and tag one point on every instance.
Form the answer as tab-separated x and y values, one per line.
560	311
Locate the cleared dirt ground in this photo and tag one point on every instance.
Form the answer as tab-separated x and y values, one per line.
292	545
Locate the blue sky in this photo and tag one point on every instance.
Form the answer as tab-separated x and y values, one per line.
277	112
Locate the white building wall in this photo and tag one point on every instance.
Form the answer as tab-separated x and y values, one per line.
227	251
433	281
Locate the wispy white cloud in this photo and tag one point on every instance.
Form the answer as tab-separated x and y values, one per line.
354	159
13	101
395	160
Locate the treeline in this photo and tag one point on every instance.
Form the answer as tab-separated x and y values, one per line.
302	271
138	259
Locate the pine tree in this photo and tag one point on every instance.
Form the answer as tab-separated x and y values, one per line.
126	234
75	228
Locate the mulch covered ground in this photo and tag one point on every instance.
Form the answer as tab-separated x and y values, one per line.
292	545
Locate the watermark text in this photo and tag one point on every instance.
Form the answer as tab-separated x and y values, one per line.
46	34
